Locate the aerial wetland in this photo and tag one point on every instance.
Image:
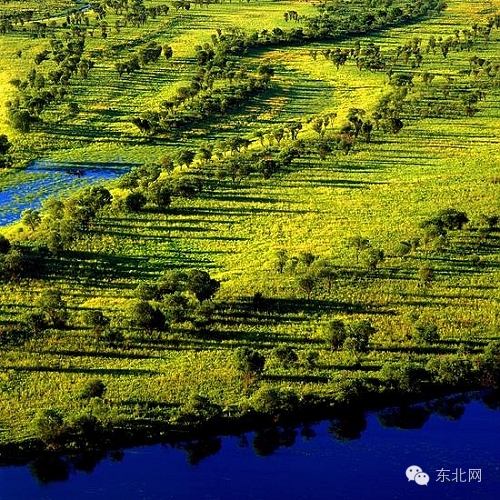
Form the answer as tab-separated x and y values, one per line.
230	229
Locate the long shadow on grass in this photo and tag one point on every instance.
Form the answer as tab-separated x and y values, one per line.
279	310
100	354
100	268
320	379
91	371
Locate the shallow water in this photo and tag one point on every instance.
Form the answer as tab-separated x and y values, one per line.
365	457
44	179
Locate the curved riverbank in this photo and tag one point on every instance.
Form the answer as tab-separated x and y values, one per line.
365	456
142	433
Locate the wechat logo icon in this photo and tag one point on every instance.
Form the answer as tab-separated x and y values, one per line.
415	473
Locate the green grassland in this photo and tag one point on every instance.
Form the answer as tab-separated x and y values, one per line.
381	190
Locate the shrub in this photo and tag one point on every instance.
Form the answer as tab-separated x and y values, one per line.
94	388
426	274
358	336
200	409
4	244
275	402
249	360
48	425
452	370
425	333
335	334
404	376
286	355
134	202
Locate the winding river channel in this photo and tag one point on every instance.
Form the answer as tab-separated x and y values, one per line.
454	442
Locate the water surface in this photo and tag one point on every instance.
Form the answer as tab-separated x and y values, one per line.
363	457
28	188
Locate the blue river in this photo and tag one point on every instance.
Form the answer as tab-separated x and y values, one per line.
455	443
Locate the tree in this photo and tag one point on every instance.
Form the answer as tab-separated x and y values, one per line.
372	257
286	355
402	249
146	317
186	157
307	283
172	281
94	388
96	321
452	370
490	221
4	244
167	52
404	376
489	364
176	307
96	197
425	332
359	243
31	218
13	264
53	307
201	285
249	361
134	202
335	334
358	336
282	260
426	274
21	120
451	218
5	144
160	193
307	258
274	401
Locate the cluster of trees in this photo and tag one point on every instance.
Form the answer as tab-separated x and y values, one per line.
12	18
39	90
312	272
5	146
354	337
435	229
147	184
335	19
17	261
133	11
176	297
202	99
369	57
150	53
62	222
450	95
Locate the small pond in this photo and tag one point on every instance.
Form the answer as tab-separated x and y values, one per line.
455	441
28	188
